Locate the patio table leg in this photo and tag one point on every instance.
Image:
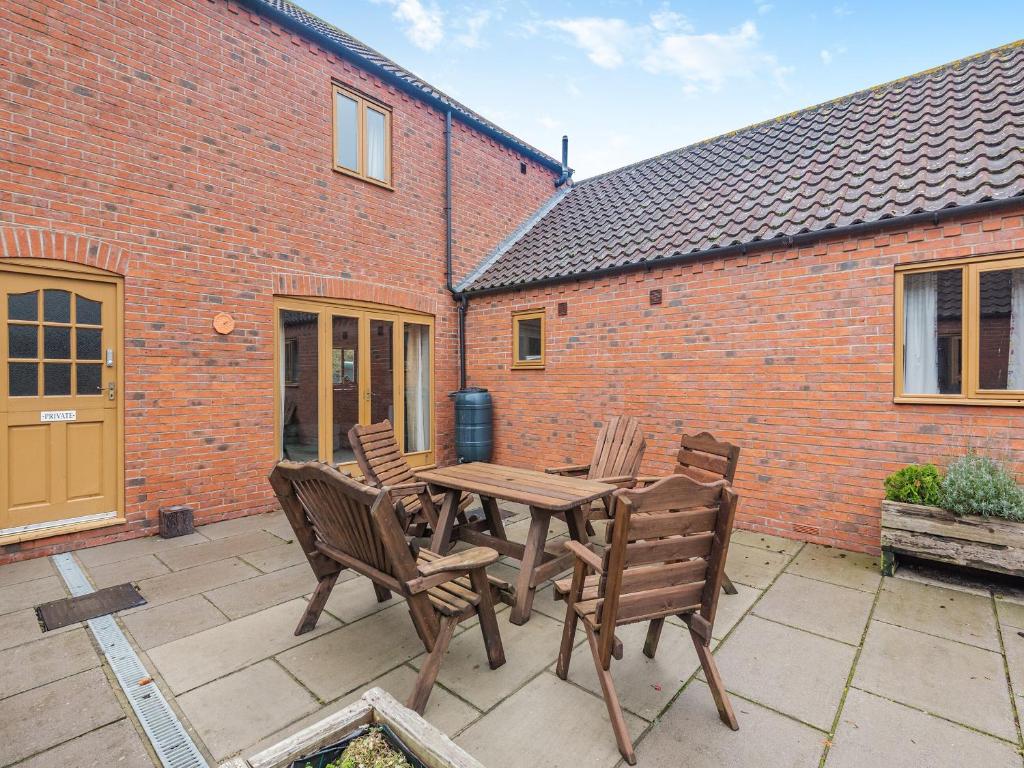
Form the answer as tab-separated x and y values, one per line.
493	515
442	539
533	554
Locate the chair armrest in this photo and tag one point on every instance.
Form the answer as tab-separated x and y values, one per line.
404	489
568	469
466	560
642	481
583	553
622	481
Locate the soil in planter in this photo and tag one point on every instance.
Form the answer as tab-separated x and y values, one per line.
371	746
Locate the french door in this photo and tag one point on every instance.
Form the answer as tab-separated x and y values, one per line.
341	364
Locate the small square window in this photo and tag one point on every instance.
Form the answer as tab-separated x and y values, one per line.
528	345
362	137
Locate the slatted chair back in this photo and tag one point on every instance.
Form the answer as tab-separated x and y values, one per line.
706	459
619	449
666	554
380	459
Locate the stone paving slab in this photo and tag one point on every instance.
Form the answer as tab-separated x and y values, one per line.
26	570
353	597
117	744
547	722
255	594
236	711
197	659
168	622
754	566
1013	641
276	558
1010	613
847	569
23	626
960	682
134	570
43	717
825	609
874	731
794	672
29	594
948	613
239	525
193	581
690	734
210	551
52	658
126	550
765	541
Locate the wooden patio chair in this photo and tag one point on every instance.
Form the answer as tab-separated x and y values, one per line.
617	456
705	459
341	523
666	557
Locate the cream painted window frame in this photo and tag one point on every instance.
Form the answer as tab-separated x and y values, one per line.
363	104
517	318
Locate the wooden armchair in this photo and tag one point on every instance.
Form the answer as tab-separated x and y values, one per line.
341	523
617	455
666	557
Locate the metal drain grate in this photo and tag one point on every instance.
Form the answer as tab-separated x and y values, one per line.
170	741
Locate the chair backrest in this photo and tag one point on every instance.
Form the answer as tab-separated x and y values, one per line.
619	450
342	519
666	554
706	459
380	459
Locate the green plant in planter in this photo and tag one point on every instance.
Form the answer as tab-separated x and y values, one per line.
977	485
915	484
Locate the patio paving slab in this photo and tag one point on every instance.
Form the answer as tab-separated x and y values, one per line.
691	734
826	609
209	551
754	566
528	649
22	627
239	525
134	570
731	608
255	594
31	593
193	581
765	541
58	711
645	686
168	622
117	744
794	672
353	597
876	731
836	566
277	557
197	659
947	613
40	662
547	723
237	711
26	570
126	550
1010	613
1013	641
350	657
959	682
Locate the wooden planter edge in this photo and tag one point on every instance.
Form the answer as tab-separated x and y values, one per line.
933	533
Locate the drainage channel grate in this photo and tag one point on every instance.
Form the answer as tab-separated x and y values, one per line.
172	744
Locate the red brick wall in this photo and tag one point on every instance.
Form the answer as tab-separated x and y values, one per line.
195	138
788	353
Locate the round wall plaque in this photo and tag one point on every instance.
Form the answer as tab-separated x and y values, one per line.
223	323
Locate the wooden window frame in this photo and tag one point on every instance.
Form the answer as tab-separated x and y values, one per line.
518	317
363	103
970	392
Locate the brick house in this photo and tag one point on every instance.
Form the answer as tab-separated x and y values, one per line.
224	239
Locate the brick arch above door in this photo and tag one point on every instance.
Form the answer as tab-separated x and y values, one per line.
33	243
346	289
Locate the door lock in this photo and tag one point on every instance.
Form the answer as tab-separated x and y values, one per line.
110	391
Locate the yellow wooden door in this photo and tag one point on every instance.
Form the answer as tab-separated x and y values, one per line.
59	412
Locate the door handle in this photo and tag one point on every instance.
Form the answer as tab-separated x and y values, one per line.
110	391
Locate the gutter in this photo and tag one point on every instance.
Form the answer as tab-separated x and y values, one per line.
787	241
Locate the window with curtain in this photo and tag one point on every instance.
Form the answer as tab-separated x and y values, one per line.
417	387
362	137
960	331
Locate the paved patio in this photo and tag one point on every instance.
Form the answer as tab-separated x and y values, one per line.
828	664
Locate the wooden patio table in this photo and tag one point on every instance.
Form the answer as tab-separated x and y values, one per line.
544	494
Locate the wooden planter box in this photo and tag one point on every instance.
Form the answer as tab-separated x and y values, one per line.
376	706
933	533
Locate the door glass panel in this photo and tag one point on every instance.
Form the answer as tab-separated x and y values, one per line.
299	386
22	379
57	342
933	331
56	306
57	379
23	306
417	387
87	311
88	344
382	371
1001	329
23	340
344	384
89	381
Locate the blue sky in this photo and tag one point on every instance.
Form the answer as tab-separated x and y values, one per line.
627	79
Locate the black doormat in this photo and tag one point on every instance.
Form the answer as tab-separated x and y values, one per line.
71	610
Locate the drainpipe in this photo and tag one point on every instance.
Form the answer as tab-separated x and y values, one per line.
566	173
459	297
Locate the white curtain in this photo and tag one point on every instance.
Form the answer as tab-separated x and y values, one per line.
417	387
375	155
921	334
1015	368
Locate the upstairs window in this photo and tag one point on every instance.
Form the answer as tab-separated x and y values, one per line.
960	331
528	339
362	137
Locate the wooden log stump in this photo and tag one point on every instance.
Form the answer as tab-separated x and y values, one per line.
176	521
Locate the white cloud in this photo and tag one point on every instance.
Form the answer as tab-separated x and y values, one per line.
424	24
842	9
604	40
764	8
826	56
472	27
667	20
